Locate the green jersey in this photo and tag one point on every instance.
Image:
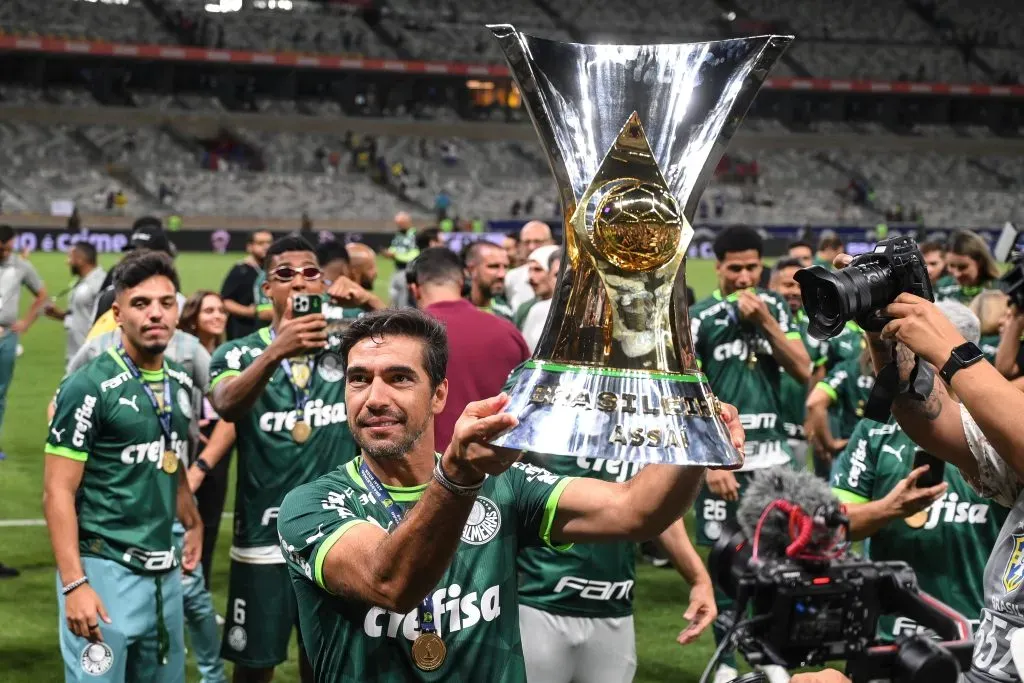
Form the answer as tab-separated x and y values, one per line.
475	603
845	345
738	362
849	390
270	462
590	579
259	297
948	288
947	545
794	394
824	263
127	500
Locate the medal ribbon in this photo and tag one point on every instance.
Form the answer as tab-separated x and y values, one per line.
163	414
425	614
301	393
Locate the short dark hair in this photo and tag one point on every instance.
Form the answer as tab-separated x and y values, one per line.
285	244
929	246
6	233
252	235
471	251
403	322
830	241
137	267
787	262
556	255
87	250
426	236
436	266
800	243
737	238
331	251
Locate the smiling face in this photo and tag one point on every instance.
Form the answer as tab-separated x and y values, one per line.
391	405
964	268
785	284
148	314
212	316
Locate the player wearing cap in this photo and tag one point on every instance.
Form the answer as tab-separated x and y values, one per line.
283	387
113	484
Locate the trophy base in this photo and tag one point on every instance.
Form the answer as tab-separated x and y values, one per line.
632	415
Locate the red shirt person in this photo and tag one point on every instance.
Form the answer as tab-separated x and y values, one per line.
483	348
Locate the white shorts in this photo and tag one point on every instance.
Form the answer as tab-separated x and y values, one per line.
560	649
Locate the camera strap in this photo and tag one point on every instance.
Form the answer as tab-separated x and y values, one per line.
888	387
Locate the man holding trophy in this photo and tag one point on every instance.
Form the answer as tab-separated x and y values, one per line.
404	560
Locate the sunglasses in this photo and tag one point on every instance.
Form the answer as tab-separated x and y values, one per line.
287	273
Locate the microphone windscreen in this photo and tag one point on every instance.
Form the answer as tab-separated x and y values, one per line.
779	483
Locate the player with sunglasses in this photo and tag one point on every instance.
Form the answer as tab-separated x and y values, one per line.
283	387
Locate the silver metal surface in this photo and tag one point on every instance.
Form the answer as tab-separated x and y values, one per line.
632	134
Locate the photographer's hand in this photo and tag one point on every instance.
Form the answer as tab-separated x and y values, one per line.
922	327
826	676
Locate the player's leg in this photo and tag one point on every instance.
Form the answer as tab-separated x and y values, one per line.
161	653
8	352
105	662
608	655
259	619
203	632
547	646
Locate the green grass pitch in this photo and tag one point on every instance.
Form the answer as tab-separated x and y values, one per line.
28	611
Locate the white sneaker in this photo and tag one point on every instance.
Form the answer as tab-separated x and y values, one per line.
220	620
725	674
775	673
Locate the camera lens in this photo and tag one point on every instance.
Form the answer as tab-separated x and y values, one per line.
831	299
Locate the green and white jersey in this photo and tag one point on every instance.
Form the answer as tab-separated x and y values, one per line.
845	345
947	545
590	579
724	345
126	501
948	288
270	462
260	298
989	344
475	603
794	394
849	390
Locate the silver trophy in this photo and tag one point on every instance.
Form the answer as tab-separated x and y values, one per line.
632	133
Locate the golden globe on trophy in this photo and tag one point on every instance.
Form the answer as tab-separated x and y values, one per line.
632	133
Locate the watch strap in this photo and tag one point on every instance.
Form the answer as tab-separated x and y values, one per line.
962	356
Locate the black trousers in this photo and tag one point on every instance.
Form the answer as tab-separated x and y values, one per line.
210	501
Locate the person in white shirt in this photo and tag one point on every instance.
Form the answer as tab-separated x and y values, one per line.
533	235
530	318
82	296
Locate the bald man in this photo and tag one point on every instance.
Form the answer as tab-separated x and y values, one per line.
362	263
532	236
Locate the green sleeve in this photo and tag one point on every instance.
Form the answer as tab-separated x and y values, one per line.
229	359
536	493
696	338
854	468
312	519
781	312
76	419
816	349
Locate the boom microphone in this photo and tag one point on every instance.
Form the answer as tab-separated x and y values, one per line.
790	513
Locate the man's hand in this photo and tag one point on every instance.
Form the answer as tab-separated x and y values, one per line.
921	326
349	294
723	484
19	327
701	612
731	418
192	548
906	499
83	609
299	336
470	455
826	676
752	307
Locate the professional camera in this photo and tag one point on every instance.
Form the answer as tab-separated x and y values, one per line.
871	282
1012	282
800	599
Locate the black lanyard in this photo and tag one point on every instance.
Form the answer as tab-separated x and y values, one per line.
164	413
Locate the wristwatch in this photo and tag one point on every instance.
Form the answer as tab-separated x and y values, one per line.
963	356
203	466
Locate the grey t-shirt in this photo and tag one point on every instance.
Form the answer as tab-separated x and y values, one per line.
184	349
81	305
15	272
1002	616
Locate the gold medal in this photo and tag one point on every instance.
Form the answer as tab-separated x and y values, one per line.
428	651
300	375
917	520
170	463
301	431
752	361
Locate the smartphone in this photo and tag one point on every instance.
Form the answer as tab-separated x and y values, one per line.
306	304
936	469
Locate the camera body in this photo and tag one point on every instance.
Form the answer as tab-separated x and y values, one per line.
868	284
1012	282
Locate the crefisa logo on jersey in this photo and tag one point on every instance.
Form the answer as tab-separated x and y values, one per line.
97	658
1013	575
483	523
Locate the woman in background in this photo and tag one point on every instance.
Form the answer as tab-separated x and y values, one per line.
205	317
971	268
